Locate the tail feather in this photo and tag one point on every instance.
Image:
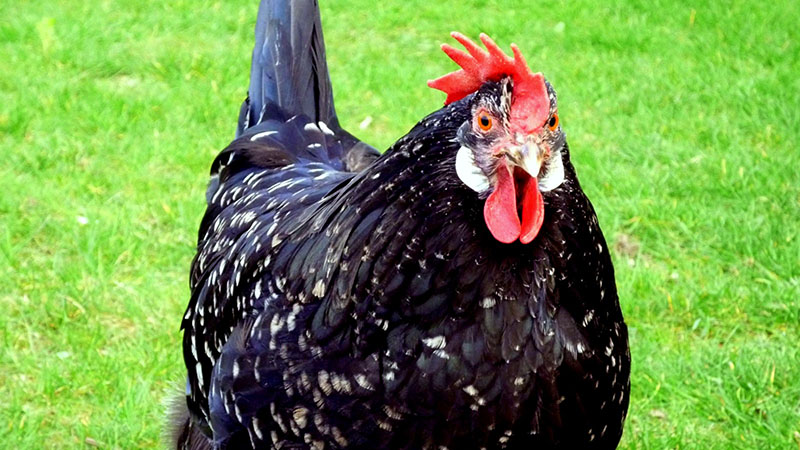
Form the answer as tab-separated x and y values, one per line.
289	70
289	77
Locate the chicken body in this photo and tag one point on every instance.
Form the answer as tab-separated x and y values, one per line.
342	299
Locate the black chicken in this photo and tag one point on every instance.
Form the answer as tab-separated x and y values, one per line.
455	292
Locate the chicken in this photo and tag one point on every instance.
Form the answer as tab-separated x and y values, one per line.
453	292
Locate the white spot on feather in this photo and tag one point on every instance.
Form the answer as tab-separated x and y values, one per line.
324	127
257	428
199	371
300	416
435	342
258	136
362	381
319	289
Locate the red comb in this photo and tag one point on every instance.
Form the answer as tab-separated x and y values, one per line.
530	106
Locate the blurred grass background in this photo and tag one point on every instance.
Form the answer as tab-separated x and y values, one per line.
683	119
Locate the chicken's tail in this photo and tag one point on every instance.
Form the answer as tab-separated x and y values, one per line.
289	76
289	68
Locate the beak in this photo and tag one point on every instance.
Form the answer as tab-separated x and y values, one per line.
528	155
515	208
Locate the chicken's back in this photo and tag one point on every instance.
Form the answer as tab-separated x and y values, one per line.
289	152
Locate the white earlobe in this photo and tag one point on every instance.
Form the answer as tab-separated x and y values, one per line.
468	172
554	175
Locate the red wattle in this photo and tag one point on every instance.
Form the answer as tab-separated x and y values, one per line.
500	209
532	210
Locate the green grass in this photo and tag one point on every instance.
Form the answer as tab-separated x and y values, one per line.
683	122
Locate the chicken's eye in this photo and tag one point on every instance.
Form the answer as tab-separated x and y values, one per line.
553	122
484	121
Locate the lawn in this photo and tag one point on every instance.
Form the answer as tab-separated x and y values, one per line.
684	124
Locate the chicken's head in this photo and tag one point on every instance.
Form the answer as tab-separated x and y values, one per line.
511	145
